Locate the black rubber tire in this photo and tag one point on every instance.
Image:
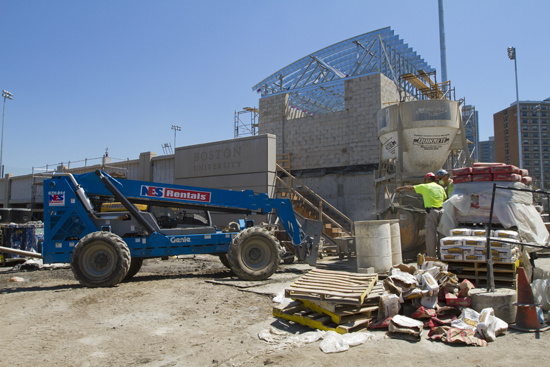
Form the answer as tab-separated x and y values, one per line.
135	265
254	254
224	260
289	260
100	259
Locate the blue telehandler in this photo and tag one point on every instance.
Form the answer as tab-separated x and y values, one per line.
105	248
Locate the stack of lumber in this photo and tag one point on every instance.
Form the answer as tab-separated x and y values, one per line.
332	300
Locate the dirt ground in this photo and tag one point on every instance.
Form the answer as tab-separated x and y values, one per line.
171	314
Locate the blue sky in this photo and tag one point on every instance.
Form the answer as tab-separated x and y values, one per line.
91	75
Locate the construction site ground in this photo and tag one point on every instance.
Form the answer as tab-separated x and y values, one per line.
192	311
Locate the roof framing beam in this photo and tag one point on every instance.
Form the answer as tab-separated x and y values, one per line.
317	80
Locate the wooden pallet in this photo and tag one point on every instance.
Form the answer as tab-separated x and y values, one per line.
298	312
476	271
372	300
344	315
332	286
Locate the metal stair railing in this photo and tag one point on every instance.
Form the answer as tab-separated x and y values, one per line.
322	202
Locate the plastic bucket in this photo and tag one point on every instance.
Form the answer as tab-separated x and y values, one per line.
373	245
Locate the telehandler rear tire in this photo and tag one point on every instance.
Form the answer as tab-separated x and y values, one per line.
254	254
100	259
135	265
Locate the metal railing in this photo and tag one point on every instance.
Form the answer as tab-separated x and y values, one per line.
490	270
83	163
322	216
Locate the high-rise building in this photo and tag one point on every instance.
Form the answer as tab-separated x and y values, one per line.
535	147
487	150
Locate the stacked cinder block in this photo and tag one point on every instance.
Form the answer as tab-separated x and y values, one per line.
336	139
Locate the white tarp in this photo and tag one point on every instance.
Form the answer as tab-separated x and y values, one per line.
470	202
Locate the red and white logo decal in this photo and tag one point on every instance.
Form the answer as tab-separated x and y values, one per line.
56	198
168	193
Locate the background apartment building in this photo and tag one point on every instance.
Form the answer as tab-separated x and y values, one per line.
535	147
487	150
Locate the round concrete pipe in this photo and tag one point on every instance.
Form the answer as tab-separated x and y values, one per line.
501	300
395	230
373	245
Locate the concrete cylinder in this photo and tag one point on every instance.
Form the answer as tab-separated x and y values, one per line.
395	230
501	300
373	245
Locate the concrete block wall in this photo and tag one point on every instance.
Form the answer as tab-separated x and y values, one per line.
336	139
353	195
332	139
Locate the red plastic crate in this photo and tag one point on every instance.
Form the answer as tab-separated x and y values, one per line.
481	170
506	177
462	178
462	171
527	180
486	177
507	168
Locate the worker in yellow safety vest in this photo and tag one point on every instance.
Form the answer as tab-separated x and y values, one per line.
433	195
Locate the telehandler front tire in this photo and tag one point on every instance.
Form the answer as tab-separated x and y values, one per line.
254	254
100	259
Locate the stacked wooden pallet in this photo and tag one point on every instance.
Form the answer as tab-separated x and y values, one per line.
476	271
504	273
332	300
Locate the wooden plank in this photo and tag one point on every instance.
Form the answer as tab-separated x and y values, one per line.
340	280
343	276
342	273
324	292
334	287
357	325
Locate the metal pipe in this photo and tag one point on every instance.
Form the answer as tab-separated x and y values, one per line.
7	95
20	252
127	204
79	192
490	275
517	111
513	56
443	47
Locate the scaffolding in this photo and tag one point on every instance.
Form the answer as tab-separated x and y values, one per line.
460	156
470	118
246	122
424	85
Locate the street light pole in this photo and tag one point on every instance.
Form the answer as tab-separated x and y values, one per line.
176	128
7	95
537	108
512	56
